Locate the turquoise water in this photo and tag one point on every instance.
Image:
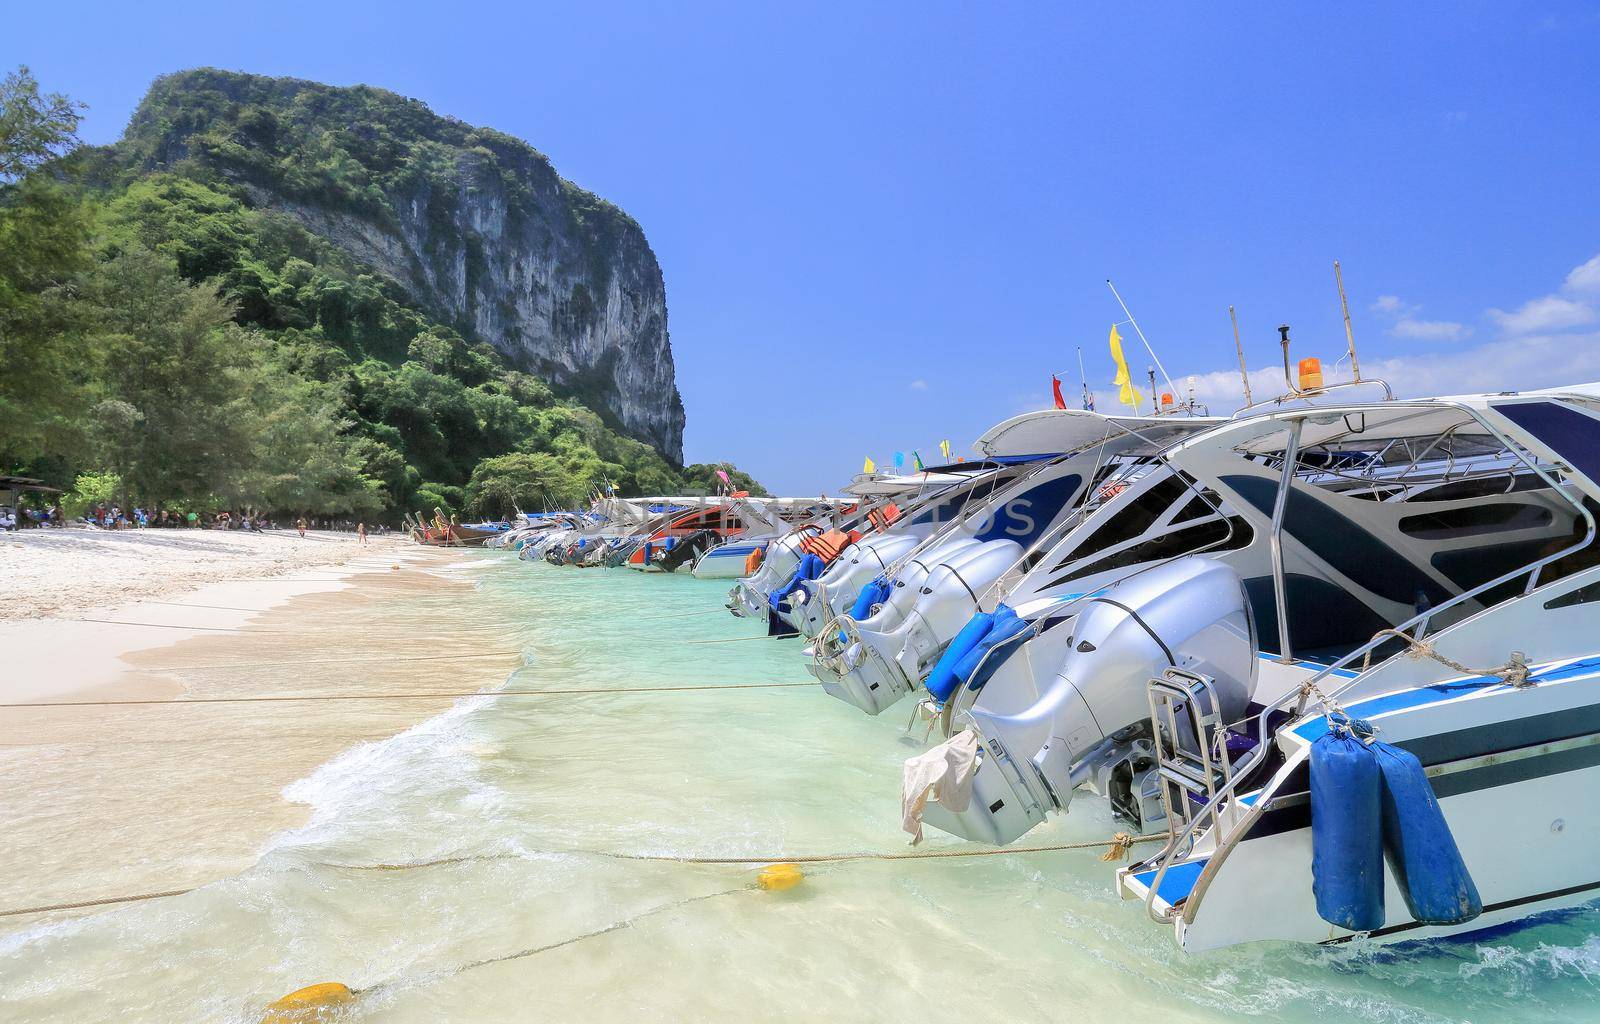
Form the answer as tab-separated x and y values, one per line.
529	799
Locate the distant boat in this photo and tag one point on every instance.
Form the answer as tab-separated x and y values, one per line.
455	535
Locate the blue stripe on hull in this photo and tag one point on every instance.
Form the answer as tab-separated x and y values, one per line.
1439	692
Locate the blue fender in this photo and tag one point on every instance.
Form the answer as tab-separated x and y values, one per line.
1006	626
942	680
1418	846
876	592
1346	830
810	568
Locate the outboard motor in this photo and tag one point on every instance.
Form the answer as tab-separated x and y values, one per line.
1191	613
835	591
686	550
748	598
873	663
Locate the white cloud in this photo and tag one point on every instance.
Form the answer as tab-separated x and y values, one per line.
1430	330
1390	305
1521	363
1574	306
1546	313
1540	349
1406	325
1585	279
918	385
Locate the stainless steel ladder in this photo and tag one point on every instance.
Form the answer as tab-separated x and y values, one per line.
1190	741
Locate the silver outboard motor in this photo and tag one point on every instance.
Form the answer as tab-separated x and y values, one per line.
873	663
1191	613
817	602
748	598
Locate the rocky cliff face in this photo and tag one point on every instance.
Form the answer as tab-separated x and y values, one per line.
476	225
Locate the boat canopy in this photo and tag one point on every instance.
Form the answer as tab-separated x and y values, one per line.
876	484
1054	431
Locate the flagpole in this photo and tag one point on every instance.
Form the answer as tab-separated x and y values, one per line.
1083	378
1238	347
1349	335
1171	386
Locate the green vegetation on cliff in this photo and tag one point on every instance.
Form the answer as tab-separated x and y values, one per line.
159	325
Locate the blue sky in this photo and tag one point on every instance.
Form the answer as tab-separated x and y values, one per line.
882	225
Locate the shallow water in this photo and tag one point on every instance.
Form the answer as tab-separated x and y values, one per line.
530	798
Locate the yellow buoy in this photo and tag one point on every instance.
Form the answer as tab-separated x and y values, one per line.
322	1002
778	877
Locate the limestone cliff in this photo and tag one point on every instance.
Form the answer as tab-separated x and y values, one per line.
477	226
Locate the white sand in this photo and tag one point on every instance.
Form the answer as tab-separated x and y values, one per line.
81	572
188	794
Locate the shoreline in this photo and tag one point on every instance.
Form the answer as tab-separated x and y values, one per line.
114	800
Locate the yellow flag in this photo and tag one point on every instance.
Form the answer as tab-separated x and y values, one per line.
944	446
869	466
1128	394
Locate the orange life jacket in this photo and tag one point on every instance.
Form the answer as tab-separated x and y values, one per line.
827	546
885	517
752	562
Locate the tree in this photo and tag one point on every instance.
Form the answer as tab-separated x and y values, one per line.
301	458
504	484
188	426
704	475
44	244
34	128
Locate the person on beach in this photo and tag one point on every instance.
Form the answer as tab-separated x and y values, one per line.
361	533
300	524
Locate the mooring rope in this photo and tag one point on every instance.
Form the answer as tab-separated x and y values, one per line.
175	625
431	695
84	904
1514	671
1116	848
321	661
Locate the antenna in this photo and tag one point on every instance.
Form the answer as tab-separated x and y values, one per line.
1244	374
1283	339
1172	387
1083	378
1349	335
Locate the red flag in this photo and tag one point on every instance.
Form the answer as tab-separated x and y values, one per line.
1055	387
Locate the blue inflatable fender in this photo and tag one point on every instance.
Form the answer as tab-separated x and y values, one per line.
1418	846
810	568
942	680
873	593
1004	626
1346	828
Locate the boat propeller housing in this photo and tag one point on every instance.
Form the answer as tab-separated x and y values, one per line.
1190	613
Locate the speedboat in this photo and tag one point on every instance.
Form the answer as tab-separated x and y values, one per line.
766	520
894	514
1399	632
879	648
677	540
872	504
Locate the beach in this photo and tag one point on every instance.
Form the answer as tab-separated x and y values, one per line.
574	852
109	796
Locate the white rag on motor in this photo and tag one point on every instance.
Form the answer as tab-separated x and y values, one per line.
944	774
